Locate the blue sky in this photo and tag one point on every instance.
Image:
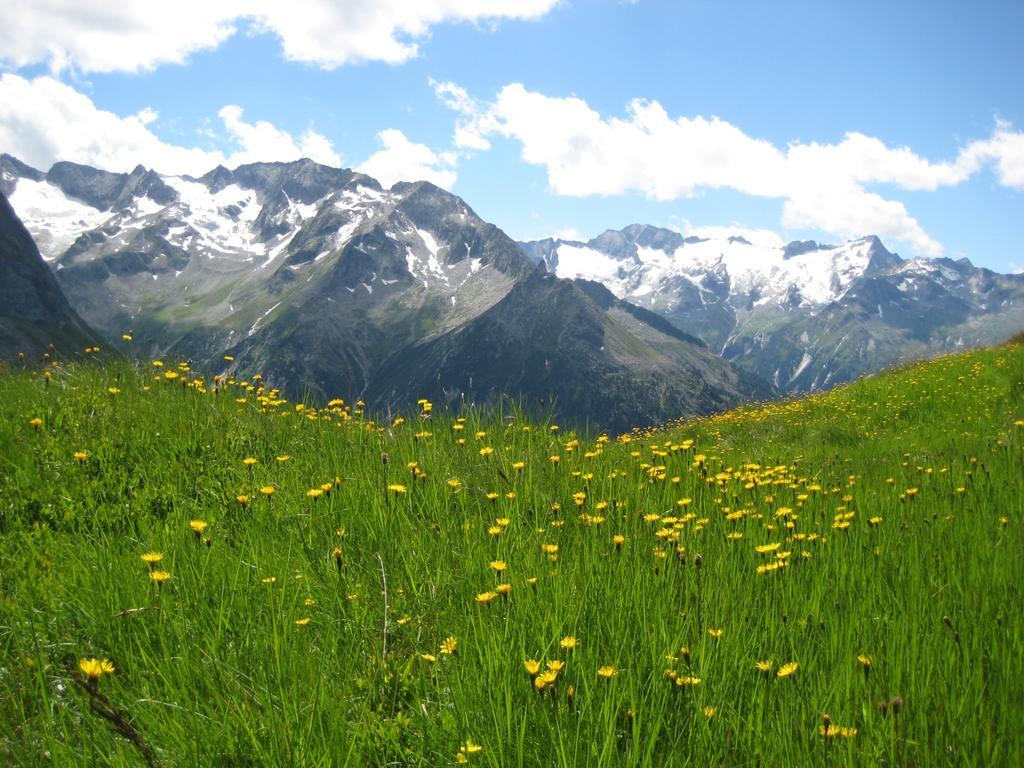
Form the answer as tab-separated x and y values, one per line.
933	88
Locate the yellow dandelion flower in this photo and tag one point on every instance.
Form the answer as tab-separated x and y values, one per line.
787	669
765	666
94	669
607	671
545	680
716	633
302	622
268	490
249	461
555	665
197	526
569	643
486	597
397	488
498	565
151	558
159	577
532	667
81	455
449	646
428	657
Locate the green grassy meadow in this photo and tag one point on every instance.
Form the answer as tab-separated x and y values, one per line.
371	594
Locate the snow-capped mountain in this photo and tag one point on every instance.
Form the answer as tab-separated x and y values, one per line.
803	316
325	281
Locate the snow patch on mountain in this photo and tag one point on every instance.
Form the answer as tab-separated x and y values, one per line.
815	278
53	218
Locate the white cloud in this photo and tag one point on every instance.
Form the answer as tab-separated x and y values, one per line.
403	160
134	35
823	186
43	120
569	233
763	237
1006	150
261	141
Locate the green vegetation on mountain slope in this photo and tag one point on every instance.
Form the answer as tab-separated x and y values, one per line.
828	581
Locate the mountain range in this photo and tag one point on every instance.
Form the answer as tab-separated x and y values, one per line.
329	284
803	316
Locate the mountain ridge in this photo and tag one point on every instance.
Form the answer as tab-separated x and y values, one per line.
805	316
320	278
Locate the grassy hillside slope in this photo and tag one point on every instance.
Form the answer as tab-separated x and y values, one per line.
342	592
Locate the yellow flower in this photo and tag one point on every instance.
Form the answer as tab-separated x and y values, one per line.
498	565
716	633
486	450
159	577
472	748
618	540
94	669
555	665
268	490
81	455
197	526
503	589
396	488
830	731
428	657
787	669
315	493
151	558
687	681
518	465
449	646
545	680
486	597
709	712
569	643
864	660
249	461
283	457
36	422
765	666
269	579
532	667
242	499
607	671
302	622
